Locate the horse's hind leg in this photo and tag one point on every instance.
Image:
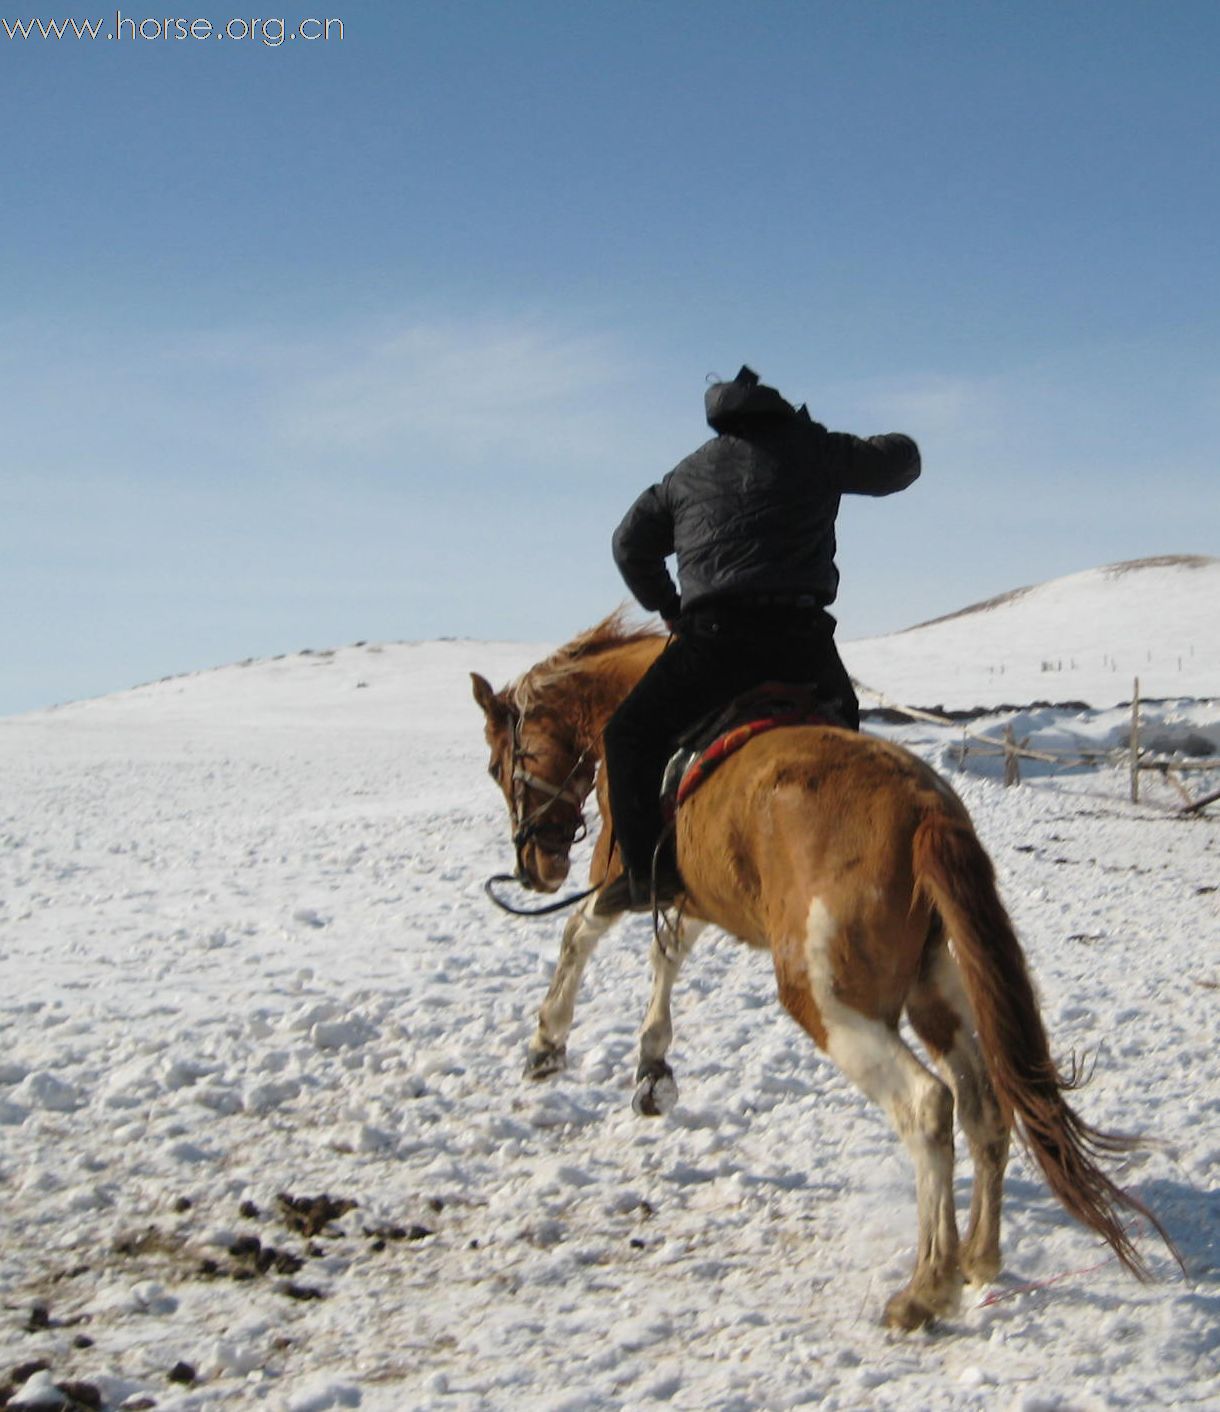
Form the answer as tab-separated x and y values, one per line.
920	1107
656	1092
871	1054
941	1016
548	1049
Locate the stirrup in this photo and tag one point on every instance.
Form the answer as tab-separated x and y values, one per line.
631	893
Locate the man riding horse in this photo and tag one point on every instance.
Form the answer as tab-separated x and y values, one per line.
750	516
843	855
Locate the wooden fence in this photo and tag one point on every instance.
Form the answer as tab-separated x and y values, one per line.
1168	769
1013	751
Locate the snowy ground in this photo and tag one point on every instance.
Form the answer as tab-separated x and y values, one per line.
244	953
1085	637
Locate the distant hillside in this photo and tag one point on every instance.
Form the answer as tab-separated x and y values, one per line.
1079	638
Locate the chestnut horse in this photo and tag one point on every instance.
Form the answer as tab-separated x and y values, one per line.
858	868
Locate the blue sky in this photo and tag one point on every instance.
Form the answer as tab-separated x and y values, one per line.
377	338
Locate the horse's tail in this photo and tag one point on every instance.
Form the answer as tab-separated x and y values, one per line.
956	875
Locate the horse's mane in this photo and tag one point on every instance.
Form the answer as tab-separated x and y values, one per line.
613	631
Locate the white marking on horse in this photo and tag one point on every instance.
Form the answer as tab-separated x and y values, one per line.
875	1058
861	1047
583	931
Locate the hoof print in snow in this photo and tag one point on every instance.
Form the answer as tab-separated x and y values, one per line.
311	1214
303	1292
182	1373
250	1211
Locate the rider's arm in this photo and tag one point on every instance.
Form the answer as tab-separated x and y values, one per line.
876	465
641	544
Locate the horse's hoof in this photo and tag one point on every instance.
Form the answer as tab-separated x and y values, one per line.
542	1063
656	1093
983	1268
906	1312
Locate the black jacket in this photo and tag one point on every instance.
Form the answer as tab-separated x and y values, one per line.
752	512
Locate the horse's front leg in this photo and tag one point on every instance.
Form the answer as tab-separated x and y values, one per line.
656	1091
548	1052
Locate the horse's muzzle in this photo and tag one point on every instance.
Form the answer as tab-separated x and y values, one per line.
541	869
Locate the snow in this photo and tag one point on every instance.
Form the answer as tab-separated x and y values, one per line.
245	954
1085	637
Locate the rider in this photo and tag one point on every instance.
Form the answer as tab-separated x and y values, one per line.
750	516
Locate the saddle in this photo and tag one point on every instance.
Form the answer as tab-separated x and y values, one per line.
709	743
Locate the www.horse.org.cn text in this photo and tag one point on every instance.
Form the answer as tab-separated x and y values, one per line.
270	32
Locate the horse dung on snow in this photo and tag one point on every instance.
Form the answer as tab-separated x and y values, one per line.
857	867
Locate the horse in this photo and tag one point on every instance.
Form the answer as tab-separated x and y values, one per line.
858	868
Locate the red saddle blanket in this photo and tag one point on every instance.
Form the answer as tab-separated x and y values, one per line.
704	749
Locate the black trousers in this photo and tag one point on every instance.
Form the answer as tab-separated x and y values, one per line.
718	654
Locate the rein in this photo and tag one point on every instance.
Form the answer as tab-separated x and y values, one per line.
544	911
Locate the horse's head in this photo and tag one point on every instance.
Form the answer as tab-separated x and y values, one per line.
544	776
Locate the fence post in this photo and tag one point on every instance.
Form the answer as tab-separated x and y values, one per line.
1012	761
1135	742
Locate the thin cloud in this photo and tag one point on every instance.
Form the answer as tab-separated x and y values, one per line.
941	408
458	394
441	396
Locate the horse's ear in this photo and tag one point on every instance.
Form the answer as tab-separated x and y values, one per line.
485	695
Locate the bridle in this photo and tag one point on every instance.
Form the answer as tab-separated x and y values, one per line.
530	824
572	790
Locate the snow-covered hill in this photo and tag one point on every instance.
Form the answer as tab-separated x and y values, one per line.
245	954
1080	638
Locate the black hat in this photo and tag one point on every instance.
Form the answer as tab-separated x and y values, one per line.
728	404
